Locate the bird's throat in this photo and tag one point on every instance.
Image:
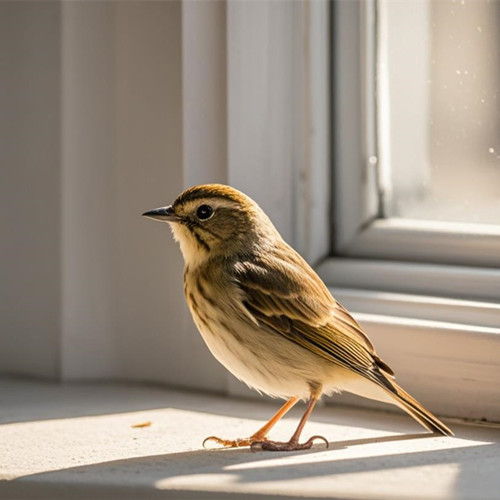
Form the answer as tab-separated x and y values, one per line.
193	252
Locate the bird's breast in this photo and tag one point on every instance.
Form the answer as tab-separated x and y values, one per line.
263	360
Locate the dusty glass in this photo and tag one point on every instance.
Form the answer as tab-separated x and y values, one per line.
438	108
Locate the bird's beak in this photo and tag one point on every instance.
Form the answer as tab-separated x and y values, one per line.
163	214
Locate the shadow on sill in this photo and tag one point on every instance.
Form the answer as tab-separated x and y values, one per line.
465	467
178	475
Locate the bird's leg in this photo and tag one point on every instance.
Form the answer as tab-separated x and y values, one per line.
294	444
260	435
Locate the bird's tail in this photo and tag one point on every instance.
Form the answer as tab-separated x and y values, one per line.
417	411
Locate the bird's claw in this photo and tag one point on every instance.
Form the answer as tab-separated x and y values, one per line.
233	443
223	442
289	446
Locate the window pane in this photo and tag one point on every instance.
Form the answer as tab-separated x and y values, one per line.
439	109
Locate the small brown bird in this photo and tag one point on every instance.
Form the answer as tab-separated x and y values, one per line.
267	316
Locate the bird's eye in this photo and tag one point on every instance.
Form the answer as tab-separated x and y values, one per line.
204	212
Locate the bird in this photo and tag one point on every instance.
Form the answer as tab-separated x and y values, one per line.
268	318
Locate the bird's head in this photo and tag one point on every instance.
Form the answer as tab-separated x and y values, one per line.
213	220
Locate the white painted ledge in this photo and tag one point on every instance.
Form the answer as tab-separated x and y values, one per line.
77	441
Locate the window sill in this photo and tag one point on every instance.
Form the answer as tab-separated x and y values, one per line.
77	441
443	347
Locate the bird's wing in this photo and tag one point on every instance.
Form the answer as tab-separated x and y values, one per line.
288	297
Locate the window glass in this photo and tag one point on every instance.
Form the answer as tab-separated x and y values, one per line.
438	108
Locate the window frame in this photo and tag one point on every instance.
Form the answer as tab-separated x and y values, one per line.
360	230
447	299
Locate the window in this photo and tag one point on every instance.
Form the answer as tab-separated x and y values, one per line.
417	114
416	188
439	110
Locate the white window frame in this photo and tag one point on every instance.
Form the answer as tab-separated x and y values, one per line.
279	114
427	293
360	164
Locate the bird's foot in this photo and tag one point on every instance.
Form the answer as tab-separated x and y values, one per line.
235	443
291	445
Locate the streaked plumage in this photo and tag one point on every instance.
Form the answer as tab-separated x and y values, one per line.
266	315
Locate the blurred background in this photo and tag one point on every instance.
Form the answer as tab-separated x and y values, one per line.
92	110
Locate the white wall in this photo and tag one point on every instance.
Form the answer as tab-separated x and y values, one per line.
87	185
30	195
92	136
155	337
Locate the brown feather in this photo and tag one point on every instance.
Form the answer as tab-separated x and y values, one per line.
276	289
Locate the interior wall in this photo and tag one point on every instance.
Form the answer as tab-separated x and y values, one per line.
30	215
155	337
92	129
88	187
